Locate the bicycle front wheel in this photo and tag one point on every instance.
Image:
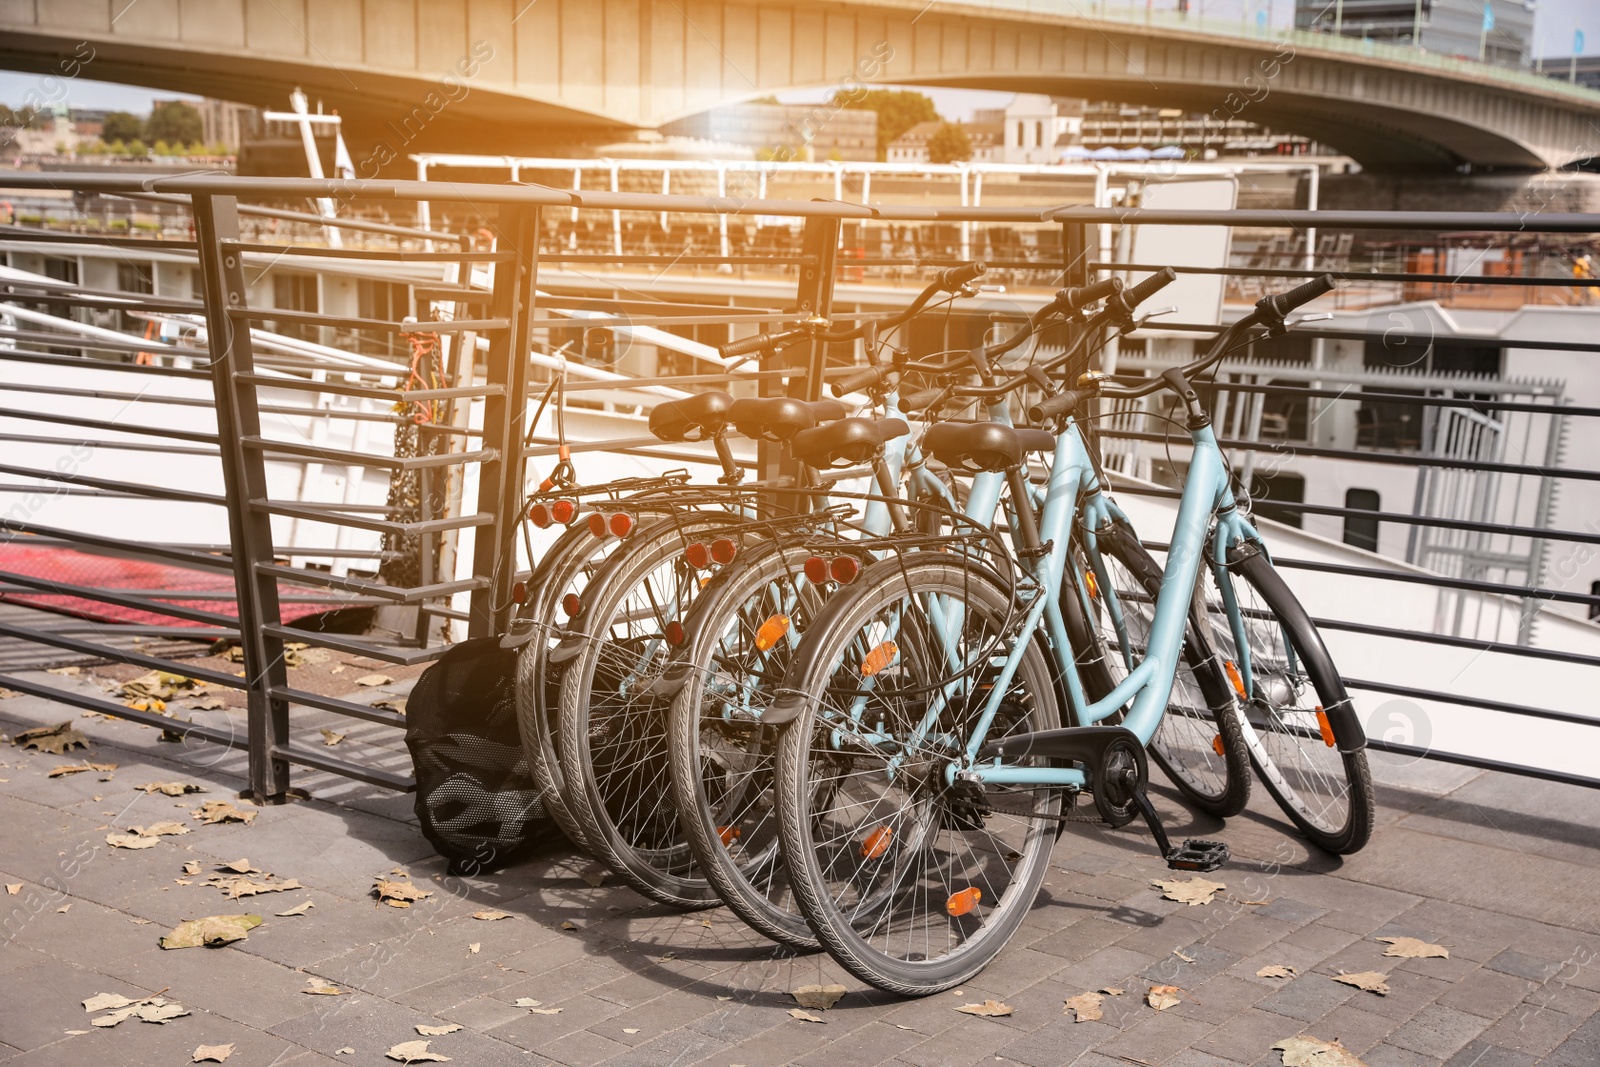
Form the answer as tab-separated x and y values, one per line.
911	881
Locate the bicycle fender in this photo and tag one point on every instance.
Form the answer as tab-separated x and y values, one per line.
521	632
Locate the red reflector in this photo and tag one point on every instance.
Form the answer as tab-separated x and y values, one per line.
621	524
597	524
519	592
723	549
844	569
697	556
564	511
674	632
571	604
539	515
816	570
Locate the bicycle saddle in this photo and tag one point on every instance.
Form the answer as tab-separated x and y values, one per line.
679	420
778	418
984	446
846	442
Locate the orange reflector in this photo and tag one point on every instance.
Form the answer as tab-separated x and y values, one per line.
1235	677
519	592
674	634
877	843
539	515
564	511
728	834
1325	726
963	902
1094	586
772	631
1216	745
878	659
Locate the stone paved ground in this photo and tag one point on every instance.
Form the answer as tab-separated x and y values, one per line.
1503	871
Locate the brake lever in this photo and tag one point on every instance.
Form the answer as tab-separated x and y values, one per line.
1138	324
1315	317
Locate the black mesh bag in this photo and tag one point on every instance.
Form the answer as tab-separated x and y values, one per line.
478	803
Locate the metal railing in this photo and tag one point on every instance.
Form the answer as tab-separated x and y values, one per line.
439	550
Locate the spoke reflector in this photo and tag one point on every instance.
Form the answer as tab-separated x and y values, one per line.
963	902
728	834
564	511
816	570
844	569
673	632
877	843
1325	726
878	659
697	556
723	549
572	604
1235	677
1092	585
771	632
1216	745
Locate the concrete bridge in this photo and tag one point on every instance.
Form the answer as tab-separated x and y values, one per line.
438	74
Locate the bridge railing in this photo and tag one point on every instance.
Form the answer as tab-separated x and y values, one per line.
457	431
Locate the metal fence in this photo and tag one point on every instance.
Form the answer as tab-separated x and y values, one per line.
454	437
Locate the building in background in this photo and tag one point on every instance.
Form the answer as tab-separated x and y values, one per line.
1445	27
229	123
1124	126
1035	128
984	137
800	132
1586	71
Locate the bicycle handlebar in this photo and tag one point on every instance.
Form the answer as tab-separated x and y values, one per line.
1279	305
953	278
861	379
1149	287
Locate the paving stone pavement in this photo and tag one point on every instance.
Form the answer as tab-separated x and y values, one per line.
1501	870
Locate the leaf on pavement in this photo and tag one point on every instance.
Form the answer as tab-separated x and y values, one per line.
215	811
374	679
398	894
822	997
436	1031
1162	997
805	1016
234	888
212	1053
545	1011
1186	959
1412	948
346	1051
1273	970
1086	1006
103	1001
316	987
156	1009
299	909
161	829
1190	891
13	888
568	924
1306	1051
213	930
528	1002
331	737
1111	991
131	841
474	947
989	1009
79	768
208	702
191	867
242	865
415	1052
1371	981
490	916
55	740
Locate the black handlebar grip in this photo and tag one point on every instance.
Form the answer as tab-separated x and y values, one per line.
1052	406
1080	297
954	278
854	382
746	346
1279	305
914	402
1150	286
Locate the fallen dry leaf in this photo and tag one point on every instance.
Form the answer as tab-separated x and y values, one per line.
1274	970
131	841
1162	997
396	705
1111	991
437	1031
213	930
238	866
55	740
209	702
1190	891
398	894
989	1009
70	672
63	909
545	1011
331	737
1181	956
1305	1051
79	768
805	1016
13	888
528	1002
102	1001
156	1009
1412	949
569	925
817	996
191	867
374	679
415	1052
346	1051
212	1053
491	916
215	811
299	909
161	829
171	789
1371	981
474	947
234	888
629	1030
1086	1006
316	987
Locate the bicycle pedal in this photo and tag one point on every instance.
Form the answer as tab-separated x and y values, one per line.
1198	855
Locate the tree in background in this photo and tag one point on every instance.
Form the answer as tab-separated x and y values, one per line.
175	123
949	144
121	126
898	110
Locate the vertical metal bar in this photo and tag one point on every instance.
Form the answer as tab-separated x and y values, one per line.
500	480
244	478
820	242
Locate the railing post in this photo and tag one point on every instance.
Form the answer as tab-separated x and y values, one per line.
500	479
244	479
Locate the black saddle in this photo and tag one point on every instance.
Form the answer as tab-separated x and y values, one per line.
984	446
778	418
845	443
694	418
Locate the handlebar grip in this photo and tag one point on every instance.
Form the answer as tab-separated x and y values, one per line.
746	346
1150	286
855	382
1052	406
920	401
955	277
1278	306
1080	297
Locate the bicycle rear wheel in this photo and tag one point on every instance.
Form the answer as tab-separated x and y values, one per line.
913	884
1319	778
